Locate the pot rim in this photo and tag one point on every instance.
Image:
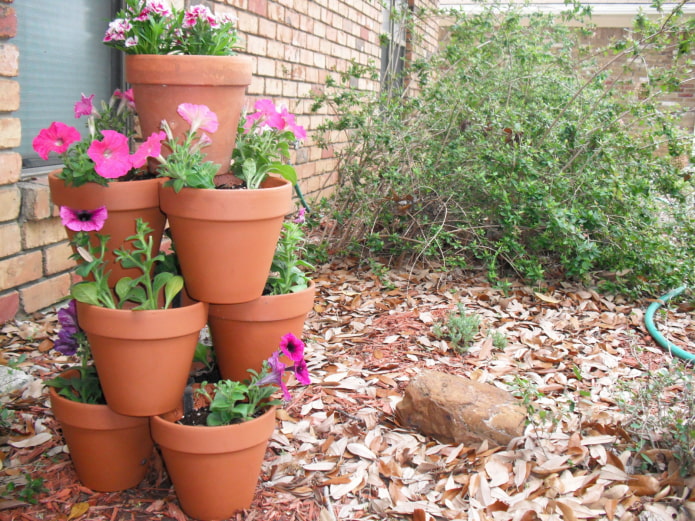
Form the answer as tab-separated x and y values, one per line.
267	202
121	196
183	69
285	306
202	439
143	324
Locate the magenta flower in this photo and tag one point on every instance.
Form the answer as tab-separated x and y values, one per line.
56	138
202	13
152	147
83	220
131	41
300	216
111	155
117	30
126	95
153	7
84	107
198	116
292	347
301	371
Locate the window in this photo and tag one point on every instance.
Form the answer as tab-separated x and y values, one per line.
393	43
61	56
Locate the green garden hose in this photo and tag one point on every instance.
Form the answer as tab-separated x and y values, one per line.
299	193
660	339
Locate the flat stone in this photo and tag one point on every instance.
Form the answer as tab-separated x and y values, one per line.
455	409
12	379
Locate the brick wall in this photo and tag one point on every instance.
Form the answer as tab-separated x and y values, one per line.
295	45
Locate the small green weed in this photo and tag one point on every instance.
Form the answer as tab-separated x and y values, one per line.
459	330
381	271
660	413
30	491
499	340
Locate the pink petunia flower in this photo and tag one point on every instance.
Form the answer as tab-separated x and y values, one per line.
83	220
131	41
111	155
292	347
300	219
152	147
198	116
266	114
56	138
85	106
126	95
288	122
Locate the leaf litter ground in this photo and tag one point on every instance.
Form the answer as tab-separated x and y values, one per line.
338	453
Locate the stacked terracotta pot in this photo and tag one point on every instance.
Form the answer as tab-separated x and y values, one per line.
225	240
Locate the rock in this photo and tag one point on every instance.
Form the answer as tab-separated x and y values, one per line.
12	379
455	409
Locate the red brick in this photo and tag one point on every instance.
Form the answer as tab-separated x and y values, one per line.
9	95
9	306
10	132
10	203
10	239
10	167
44	232
58	258
20	269
36	201
45	293
9	60
259	7
8	22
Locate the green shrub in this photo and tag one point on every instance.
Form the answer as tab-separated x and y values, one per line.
513	147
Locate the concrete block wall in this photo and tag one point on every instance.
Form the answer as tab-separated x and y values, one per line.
295	44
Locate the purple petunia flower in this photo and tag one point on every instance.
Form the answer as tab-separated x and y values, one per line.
301	371
83	220
292	347
277	369
67	342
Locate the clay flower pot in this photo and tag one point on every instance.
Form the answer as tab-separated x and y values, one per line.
225	239
246	334
110	451
162	82
143	357
125	202
214	469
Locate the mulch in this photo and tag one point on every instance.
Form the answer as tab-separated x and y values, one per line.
338	452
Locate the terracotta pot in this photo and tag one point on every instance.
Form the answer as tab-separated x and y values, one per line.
214	469
125	202
143	357
243	335
162	82
110	451
225	239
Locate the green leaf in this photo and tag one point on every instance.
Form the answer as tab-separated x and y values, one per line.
172	288
123	287
85	292
286	171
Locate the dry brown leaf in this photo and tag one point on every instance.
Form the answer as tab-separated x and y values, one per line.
642	485
78	509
